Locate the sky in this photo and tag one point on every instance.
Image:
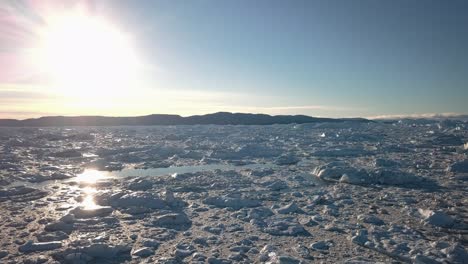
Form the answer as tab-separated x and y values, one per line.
321	58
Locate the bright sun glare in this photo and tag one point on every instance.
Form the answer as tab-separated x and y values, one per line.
88	202
86	55
90	176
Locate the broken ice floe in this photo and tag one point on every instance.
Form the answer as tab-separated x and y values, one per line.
217	209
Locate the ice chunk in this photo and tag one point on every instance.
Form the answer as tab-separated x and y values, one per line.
459	167
456	253
421	259
320	245
342	152
346	174
276	185
385	163
360	237
395	177
341	172
60	226
30	246
21	193
174	220
78	258
436	218
143	252
102	250
140	185
370	219
287	226
139	199
447	140
236	203
82	212
51	236
289	209
287	159
287	260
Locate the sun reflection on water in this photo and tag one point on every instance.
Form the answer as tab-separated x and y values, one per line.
91	176
88	202
87	180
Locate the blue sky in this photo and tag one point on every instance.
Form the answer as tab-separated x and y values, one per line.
323	58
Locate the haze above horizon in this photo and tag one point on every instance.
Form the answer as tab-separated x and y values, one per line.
325	58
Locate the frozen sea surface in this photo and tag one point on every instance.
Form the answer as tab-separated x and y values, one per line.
327	193
150	172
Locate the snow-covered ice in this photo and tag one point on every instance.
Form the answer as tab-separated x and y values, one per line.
326	193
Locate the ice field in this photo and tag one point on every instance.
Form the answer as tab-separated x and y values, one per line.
325	193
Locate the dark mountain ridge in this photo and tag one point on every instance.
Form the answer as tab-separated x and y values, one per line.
220	118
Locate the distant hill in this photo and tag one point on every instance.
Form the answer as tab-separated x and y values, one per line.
220	118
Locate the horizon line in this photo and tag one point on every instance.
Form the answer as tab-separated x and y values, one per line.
375	117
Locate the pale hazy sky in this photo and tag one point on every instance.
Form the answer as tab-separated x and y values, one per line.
321	58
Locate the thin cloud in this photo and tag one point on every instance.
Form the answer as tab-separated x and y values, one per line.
423	115
22	114
312	107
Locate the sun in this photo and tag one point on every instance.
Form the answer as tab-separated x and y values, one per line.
86	55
